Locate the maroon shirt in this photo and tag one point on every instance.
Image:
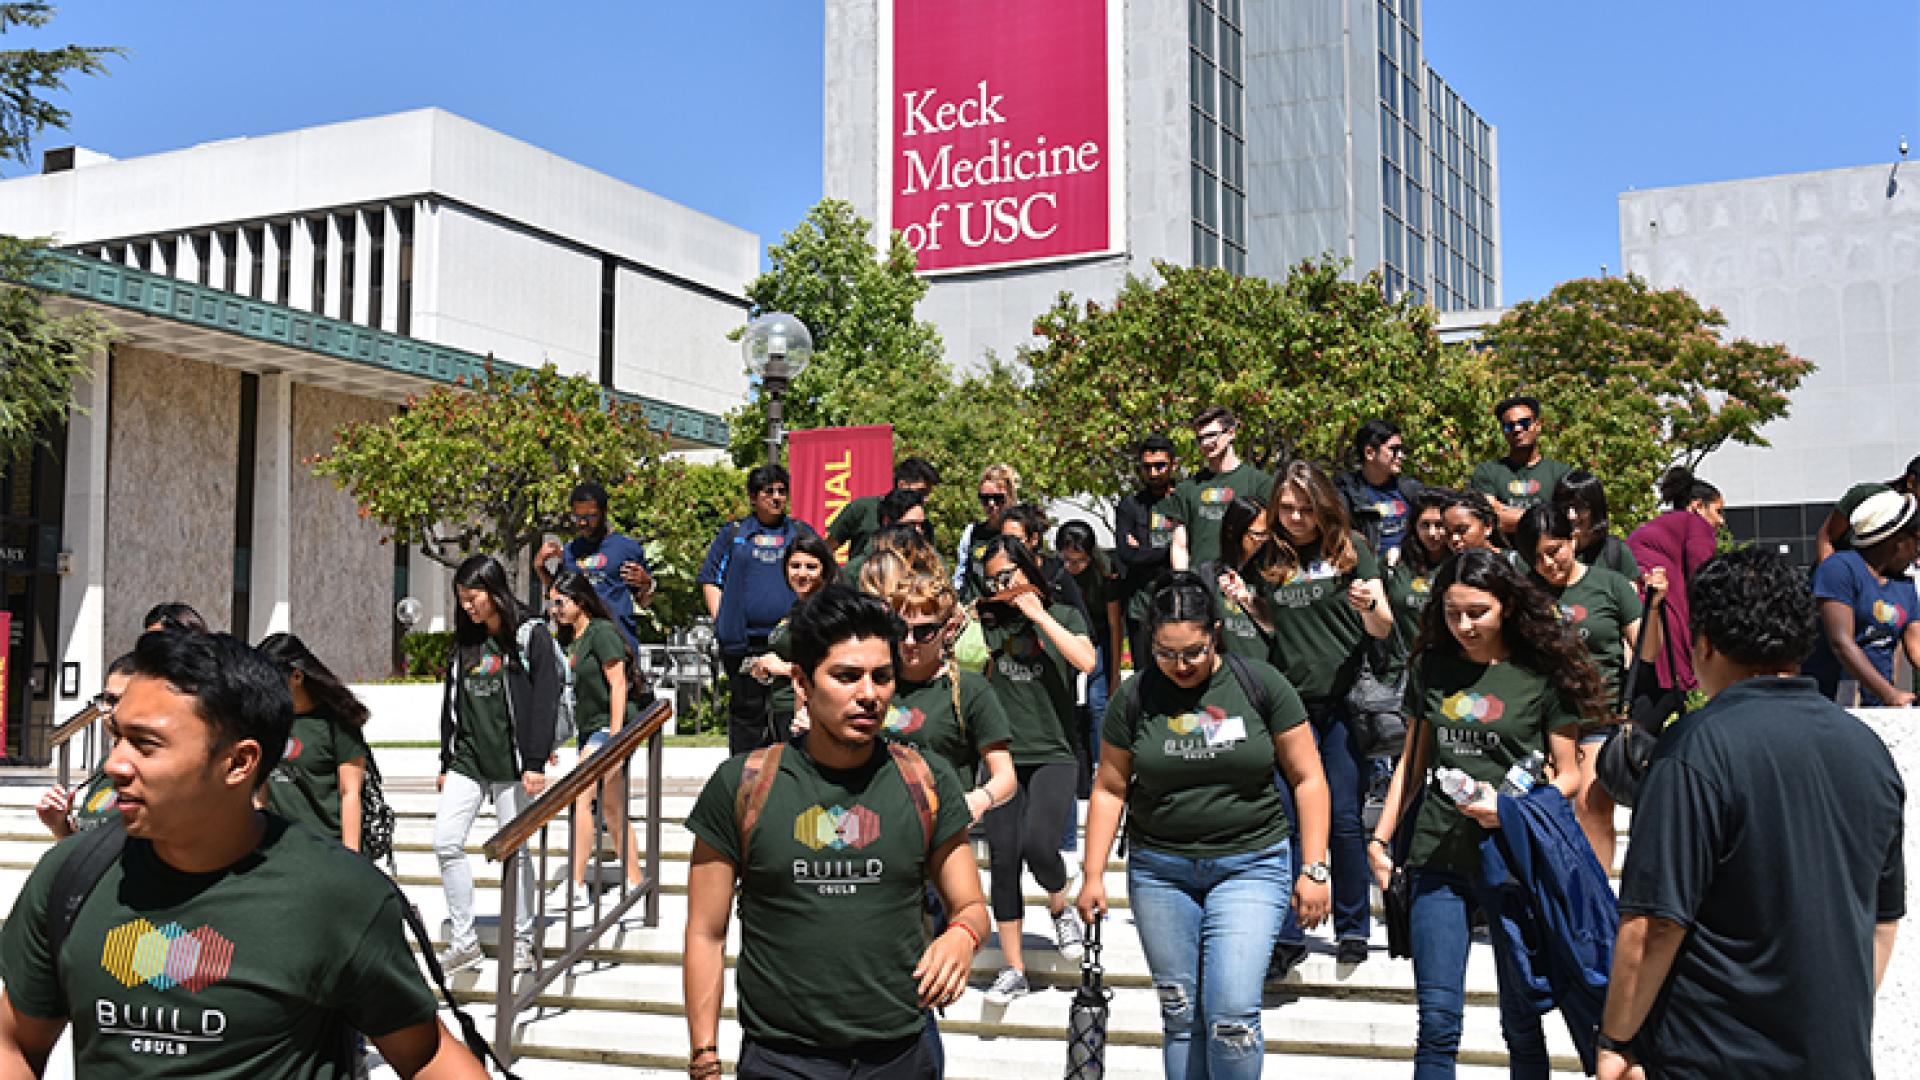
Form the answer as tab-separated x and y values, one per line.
1679	540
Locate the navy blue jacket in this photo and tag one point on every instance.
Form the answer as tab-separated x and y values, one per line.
1558	918
748	561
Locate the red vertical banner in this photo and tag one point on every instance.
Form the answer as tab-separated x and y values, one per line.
831	467
6	670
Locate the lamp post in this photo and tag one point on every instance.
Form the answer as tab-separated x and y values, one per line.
777	347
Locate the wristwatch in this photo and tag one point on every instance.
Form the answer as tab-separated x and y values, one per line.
1319	872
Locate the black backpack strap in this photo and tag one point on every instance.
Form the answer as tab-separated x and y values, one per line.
97	849
1250	684
469	1031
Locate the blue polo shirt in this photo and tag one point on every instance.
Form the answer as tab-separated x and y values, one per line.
748	561
1881	613
599	561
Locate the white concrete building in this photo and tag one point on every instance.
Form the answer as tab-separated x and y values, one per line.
269	289
1828	264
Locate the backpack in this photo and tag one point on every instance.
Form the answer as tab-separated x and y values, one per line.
376	816
101	848
563	723
756	781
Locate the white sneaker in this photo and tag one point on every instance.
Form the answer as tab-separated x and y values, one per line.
459	957
567	894
1067	934
522	955
1009	984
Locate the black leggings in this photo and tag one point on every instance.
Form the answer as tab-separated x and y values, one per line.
1027	830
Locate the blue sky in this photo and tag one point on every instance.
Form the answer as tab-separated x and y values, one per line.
718	105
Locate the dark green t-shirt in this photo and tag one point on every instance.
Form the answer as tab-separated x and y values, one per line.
781	700
1599	607
95	802
1316	633
1097	591
1239	634
832	899
316	747
483	735
922	717
1408	593
588	655
1520	489
1035	686
1203	762
257	970
855	525
1200	503
1480	719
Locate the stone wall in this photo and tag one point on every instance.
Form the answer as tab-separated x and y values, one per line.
341	584
173	448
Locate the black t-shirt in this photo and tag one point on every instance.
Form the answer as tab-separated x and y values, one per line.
1769	826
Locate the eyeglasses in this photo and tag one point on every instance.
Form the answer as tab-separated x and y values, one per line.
104	702
921	633
1217	433
1002	581
1189	656
585	519
990	499
1512	426
772	489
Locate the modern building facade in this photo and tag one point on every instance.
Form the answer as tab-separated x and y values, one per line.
1248	134
1827	263
266	291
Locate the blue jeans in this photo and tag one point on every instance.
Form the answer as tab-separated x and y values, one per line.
1207	927
1347	774
1089	749
1442	905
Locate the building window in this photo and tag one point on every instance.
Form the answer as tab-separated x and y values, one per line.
283	268
257	246
317	230
349	241
376	264
403	220
1216	135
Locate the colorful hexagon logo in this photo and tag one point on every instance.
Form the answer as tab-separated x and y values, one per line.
836	828
1467	705
163	957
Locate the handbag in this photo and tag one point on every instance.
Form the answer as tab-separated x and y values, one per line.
1397	898
1622	762
1087	1016
1374	702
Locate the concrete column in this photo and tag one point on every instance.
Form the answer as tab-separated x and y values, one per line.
432	585
271	590
187	266
83	539
389	313
300	281
336	279
426	271
270	265
362	313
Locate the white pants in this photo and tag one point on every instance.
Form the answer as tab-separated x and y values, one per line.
460	800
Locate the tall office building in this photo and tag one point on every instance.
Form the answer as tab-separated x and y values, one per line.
1086	139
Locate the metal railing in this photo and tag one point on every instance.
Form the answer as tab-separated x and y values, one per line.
88	722
509	846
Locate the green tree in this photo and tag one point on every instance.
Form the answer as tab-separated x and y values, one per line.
40	355
1620	339
1301	362
677	508
875	362
487	467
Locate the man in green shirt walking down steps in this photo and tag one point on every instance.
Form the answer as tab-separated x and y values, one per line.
219	941
832	841
1199	502
1525	478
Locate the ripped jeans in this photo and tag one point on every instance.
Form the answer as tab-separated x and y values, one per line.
1208	927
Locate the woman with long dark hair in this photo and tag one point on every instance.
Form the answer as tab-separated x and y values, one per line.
1244	628
1584	498
602	664
320	777
496	732
1192	745
1496	678
1037	644
1322	591
810	567
1409	577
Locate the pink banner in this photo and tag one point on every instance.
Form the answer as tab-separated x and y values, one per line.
1005	142
831	467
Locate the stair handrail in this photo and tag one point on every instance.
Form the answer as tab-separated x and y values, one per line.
510	843
82	721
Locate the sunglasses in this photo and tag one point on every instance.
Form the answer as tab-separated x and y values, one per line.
1002	581
921	633
1155	466
1511	426
1188	656
992	500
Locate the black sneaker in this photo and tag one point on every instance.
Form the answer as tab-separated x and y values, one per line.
1286	957
1352	951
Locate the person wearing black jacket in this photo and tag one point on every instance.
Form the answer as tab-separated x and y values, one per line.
1143	532
497	727
1379	498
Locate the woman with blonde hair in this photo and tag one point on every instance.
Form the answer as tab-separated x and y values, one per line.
939	709
1324	599
999	491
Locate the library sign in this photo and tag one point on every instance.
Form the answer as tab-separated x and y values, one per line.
1002	141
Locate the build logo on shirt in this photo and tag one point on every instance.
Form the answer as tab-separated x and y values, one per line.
1391	508
1199	736
294	747
593	562
1888	615
1523	487
489	665
1306	584
1575	616
903	720
837	828
766	546
163	958
1467	705
101	801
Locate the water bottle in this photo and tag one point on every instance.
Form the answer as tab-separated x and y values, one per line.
1524	775
1457	785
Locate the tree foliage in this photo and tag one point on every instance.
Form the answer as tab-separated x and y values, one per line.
1660	350
487	467
875	362
677	509
40	354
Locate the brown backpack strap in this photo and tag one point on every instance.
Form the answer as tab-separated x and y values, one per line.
756	779
918	776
